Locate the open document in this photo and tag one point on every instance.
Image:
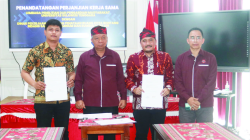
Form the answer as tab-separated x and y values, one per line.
56	83
152	86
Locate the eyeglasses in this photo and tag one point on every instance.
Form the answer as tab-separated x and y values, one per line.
198	38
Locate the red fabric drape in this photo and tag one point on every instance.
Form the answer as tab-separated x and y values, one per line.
10	121
222	77
30	108
230	4
173	6
239	99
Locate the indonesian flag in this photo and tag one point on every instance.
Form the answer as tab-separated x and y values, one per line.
155	14
150	20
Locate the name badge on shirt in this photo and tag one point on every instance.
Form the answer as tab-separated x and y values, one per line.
111	65
203	65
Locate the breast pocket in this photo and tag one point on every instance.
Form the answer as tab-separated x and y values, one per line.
110	70
203	70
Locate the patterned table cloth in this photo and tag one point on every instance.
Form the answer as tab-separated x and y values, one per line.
192	131
27	106
30	134
91	122
21	113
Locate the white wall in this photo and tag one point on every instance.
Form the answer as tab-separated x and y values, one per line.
12	85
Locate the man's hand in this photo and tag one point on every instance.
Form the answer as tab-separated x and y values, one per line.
39	85
70	83
80	104
138	91
194	103
165	92
122	104
196	106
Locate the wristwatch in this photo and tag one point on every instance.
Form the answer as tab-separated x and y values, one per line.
168	87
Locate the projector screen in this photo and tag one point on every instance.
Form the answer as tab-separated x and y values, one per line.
27	20
226	36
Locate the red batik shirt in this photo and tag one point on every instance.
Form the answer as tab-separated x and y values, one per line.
159	63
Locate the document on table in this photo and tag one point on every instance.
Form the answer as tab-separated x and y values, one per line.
115	121
152	86
96	115
56	83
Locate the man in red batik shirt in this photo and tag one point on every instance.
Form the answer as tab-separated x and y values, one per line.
151	62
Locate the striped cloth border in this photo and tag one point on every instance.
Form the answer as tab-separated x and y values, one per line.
174	134
50	133
225	133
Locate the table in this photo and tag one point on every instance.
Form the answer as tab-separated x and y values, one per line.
182	131
17	112
122	129
228	96
89	126
14	104
46	133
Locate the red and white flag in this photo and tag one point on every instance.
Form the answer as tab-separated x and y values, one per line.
155	16
150	20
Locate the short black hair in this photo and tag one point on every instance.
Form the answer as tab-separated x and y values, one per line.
53	22
195	28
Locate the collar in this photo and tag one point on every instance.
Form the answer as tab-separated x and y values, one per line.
143	54
201	52
107	51
47	48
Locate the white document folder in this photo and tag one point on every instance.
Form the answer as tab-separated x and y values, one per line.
152	86
56	83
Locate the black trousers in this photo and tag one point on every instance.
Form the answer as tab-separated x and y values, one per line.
60	112
145	118
92	110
